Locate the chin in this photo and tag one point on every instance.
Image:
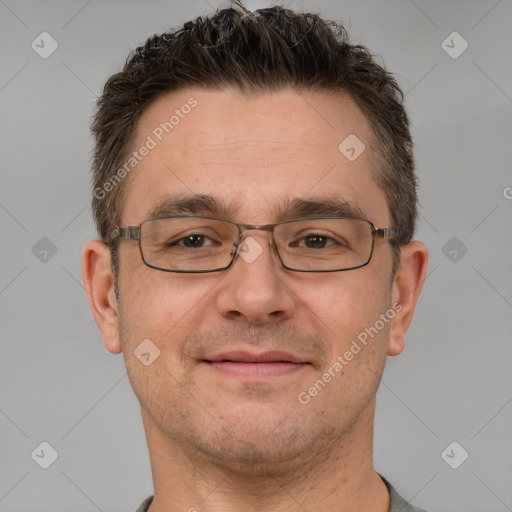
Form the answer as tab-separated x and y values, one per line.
257	444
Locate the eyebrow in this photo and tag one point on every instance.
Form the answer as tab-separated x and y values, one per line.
202	204
193	204
330	206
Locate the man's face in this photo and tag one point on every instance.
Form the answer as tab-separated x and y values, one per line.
252	153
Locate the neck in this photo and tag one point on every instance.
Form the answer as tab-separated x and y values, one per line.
339	477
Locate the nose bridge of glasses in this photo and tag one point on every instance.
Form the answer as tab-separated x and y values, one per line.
242	245
243	228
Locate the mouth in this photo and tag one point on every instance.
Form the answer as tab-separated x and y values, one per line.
256	366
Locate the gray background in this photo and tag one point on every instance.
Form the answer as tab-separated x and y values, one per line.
453	383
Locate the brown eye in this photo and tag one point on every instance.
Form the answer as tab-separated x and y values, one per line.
193	241
315	241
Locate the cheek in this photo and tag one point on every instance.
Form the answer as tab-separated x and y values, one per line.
162	307
153	329
356	343
348	303
349	313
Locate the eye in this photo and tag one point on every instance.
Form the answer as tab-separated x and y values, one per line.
191	241
317	240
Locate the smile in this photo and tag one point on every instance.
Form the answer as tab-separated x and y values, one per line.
247	365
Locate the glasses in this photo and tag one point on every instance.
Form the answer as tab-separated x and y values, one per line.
195	244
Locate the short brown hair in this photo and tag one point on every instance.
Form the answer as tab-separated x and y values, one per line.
262	50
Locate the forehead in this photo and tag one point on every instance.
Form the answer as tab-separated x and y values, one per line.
252	152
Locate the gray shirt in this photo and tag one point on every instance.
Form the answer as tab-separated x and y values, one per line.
398	504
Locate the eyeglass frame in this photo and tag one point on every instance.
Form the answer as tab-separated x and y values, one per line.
133	233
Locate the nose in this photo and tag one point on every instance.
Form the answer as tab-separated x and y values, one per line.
256	286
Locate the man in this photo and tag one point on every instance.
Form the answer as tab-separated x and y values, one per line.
255	195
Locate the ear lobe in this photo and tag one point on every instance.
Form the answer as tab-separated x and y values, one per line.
407	287
99	286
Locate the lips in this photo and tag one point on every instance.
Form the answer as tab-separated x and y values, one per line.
265	357
256	366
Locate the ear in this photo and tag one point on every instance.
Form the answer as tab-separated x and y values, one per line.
407	286
99	286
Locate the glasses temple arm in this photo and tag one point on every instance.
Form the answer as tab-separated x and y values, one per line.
386	232
131	232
